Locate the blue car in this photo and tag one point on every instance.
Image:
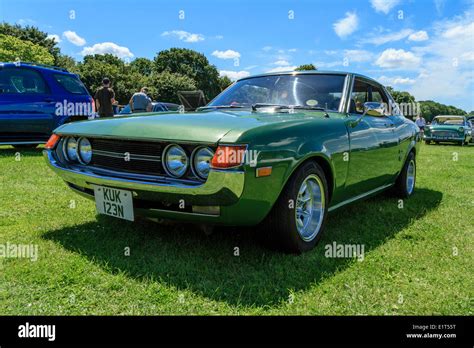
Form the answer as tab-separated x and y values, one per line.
156	107
36	99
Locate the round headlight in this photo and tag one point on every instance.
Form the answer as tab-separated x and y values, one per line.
70	149
85	151
202	157
175	161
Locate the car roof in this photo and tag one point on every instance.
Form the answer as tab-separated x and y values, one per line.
310	72
36	66
450	116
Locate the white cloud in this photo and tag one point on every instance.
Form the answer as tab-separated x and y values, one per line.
282	69
468	56
327	65
184	35
250	67
358	56
459	31
380	39
384	5
398	59
439	4
291	50
54	37
281	62
446	74
347	25
234	75
108	47
397	80
419	36
267	48
229	54
73	38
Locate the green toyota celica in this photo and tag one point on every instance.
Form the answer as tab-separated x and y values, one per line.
278	150
452	129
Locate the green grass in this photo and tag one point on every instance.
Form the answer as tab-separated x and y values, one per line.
409	265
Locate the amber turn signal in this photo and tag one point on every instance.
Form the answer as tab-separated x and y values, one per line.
53	140
264	171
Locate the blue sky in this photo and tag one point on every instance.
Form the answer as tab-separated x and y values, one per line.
425	46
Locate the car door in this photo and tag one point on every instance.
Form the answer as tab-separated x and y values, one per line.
26	106
374	149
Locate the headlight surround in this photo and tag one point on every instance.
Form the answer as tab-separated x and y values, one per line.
201	159
175	161
70	149
85	151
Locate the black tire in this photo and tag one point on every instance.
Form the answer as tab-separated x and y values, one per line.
281	225
401	187
427	142
25	146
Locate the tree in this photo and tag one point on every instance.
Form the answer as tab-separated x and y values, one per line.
95	67
306	67
13	49
165	86
401	97
192	64
224	82
67	62
431	109
32	34
143	66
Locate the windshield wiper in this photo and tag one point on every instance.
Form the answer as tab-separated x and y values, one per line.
257	106
220	107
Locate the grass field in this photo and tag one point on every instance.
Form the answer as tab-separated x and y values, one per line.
419	259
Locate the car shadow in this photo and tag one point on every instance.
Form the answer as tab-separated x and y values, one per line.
231	265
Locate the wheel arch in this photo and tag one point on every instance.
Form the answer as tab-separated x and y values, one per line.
325	165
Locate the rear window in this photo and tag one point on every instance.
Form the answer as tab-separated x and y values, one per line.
71	83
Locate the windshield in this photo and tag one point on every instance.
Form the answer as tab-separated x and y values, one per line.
458	121
315	90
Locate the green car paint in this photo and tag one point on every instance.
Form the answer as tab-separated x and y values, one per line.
360	155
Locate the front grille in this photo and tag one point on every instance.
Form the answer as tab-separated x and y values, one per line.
130	156
446	134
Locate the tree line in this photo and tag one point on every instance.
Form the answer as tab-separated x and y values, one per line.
172	70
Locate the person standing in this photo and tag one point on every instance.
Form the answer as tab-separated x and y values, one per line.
420	122
105	99
140	101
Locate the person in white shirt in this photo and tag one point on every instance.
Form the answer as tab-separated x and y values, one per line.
420	122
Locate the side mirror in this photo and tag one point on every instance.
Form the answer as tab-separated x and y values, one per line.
372	109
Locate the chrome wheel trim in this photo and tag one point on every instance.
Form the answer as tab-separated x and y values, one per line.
411	175
309	207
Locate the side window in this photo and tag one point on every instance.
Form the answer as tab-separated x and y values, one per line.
70	83
363	92
22	81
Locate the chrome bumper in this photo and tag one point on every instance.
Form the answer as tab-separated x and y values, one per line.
221	187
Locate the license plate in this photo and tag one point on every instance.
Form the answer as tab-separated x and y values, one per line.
114	202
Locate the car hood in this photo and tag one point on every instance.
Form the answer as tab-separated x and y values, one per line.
208	126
